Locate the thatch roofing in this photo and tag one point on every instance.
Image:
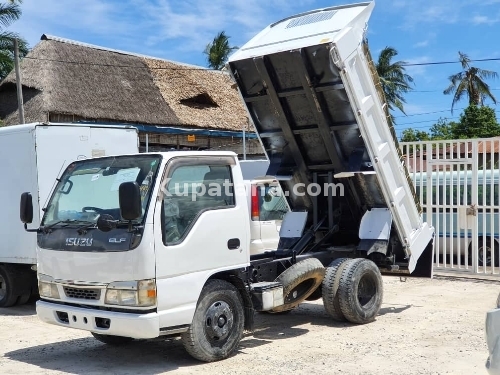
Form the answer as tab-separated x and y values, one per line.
199	96
91	82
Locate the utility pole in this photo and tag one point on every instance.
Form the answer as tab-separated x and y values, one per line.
244	143
20	105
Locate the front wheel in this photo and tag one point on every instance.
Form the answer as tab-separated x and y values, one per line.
112	340
218	323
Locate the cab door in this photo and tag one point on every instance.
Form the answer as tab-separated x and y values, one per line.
201	228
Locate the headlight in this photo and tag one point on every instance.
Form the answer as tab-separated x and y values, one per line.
140	293
47	287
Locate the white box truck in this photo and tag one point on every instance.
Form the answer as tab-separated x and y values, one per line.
33	155
162	244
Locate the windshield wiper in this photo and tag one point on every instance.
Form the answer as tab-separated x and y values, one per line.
106	223
87	225
67	222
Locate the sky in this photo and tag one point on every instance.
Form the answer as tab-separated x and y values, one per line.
422	31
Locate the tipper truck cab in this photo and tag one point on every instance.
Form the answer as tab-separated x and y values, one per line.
33	156
161	245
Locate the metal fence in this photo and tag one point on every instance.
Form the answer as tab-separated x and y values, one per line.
457	183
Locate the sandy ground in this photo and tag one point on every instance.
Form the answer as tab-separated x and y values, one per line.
424	327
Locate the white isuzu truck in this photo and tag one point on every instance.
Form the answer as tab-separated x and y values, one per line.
33	156
145	245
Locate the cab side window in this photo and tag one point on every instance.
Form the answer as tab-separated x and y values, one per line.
190	191
272	203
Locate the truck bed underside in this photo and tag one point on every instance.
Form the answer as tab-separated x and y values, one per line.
314	97
303	116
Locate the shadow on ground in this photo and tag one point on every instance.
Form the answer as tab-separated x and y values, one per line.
151	357
23	310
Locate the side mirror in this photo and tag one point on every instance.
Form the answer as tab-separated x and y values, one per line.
26	208
129	196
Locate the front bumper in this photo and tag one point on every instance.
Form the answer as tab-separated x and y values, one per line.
137	326
493	341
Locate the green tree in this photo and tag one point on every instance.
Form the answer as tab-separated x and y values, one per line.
412	135
393	78
470	82
477	122
9	12
218	51
443	130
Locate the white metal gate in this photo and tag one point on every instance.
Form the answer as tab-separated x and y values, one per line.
458	185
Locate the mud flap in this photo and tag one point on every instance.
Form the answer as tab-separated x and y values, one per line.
424	264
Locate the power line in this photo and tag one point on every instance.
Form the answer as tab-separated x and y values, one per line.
209	69
448	62
121	66
434	112
428	113
409	92
424	121
214	70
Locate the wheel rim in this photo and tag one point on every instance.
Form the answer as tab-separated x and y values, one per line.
367	290
480	256
219	321
298	292
3	288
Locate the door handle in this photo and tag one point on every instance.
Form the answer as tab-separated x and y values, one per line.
233	244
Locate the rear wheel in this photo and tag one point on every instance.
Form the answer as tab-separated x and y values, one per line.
330	288
299	282
9	290
485	252
112	340
218	323
360	291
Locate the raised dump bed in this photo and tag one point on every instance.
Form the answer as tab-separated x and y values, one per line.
313	94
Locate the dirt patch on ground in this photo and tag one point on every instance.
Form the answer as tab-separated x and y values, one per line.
424	327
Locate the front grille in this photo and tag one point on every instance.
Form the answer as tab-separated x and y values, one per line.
82	293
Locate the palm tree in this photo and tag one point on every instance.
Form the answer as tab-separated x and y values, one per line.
395	82
470	82
218	51
9	13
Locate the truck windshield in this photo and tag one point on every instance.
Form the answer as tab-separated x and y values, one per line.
89	188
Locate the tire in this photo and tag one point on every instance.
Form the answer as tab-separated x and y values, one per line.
112	340
330	288
299	282
489	248
9	290
360	291
23	298
206	340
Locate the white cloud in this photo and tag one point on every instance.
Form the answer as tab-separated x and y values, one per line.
423	43
478	20
61	18
171	26
194	23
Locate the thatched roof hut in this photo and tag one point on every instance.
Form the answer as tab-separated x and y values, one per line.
66	78
69	81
